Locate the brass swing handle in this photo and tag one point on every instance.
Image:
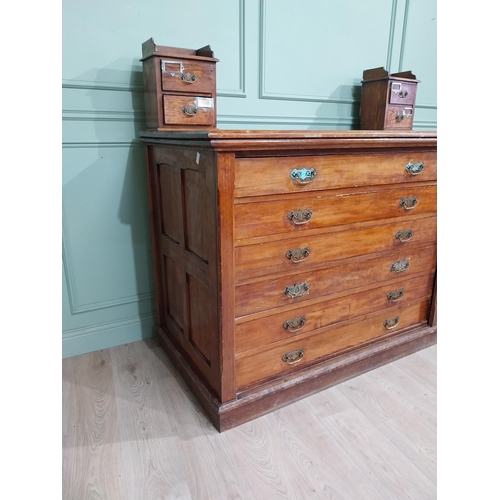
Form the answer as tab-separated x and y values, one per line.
400	266
303	176
404	236
415	168
190	110
297	290
293	357
298	255
391	323
299	217
396	295
408	203
188	77
296	323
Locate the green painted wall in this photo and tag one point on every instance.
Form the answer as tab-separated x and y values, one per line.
284	64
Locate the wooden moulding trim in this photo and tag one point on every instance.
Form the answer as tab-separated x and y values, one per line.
319	144
272	140
226	292
274	395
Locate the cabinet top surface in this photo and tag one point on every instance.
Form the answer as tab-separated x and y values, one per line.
288	134
233	140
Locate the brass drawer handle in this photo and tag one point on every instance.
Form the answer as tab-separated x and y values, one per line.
415	168
298	255
190	110
303	176
299	217
408	203
391	323
296	323
405	235
400	266
403	93
297	290
396	295
405	113
188	77
293	357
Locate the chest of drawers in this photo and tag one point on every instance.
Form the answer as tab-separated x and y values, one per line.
288	261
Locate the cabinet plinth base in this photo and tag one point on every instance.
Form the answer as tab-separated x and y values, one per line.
280	392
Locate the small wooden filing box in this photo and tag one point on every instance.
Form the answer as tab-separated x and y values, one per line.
387	100
179	87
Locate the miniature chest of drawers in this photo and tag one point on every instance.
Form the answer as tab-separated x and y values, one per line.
179	87
288	261
387	100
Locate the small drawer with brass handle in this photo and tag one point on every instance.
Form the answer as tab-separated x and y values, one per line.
180	75
298	255
293	357
408	203
303	175
297	290
299	217
295	324
184	109
404	235
391	323
402	93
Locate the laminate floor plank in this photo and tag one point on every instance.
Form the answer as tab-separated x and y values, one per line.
420	400
271	470
133	431
395	421
207	457
324	461
149	445
430	354
389	470
92	464
419	368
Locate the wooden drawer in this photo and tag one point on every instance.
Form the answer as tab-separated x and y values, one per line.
258	365
402	93
399	117
188	110
184	75
280	291
311	211
310	252
306	318
263	176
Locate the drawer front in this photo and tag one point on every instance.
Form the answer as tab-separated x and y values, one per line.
303	286
306	318
306	252
262	176
311	212
399	117
287	357
187	76
188	110
402	93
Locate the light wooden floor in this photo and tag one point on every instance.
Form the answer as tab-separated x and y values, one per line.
132	431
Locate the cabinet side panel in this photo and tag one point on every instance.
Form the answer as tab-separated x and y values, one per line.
185	208
171	200
198	228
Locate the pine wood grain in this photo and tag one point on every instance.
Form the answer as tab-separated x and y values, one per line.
133	431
